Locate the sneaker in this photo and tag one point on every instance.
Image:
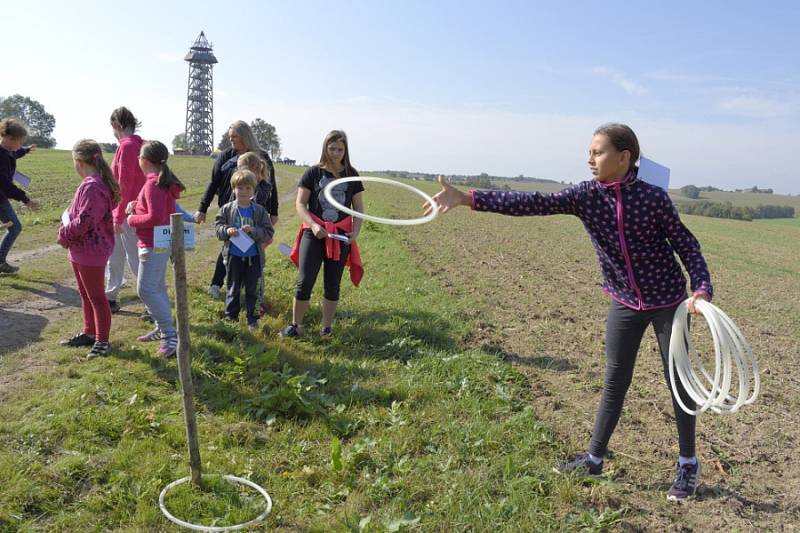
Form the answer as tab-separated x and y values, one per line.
326	332
146	317
215	291
114	306
253	327
687	479
582	465
100	349
169	345
291	331
155	335
5	268
81	339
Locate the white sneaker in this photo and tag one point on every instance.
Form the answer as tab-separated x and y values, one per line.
214	291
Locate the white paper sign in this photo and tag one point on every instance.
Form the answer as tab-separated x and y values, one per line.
162	238
21	178
242	241
65	217
653	173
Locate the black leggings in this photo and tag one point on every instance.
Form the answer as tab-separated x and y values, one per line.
312	256
624	332
219	272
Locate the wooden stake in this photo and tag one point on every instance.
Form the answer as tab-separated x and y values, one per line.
184	361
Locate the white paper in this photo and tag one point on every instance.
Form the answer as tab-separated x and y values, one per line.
21	178
336	237
653	173
162	237
285	249
242	241
65	217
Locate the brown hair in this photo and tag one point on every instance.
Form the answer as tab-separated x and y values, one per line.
324	162
89	152
13	128
157	153
245	133
622	138
125	119
254	162
243	177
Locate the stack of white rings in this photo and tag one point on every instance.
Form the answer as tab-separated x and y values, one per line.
730	347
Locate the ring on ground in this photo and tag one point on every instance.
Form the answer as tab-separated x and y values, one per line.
328	192
198	527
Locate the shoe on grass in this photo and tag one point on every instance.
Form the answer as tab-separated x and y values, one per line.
155	335
687	479
326	332
99	349
169	346
215	291
81	339
5	268
581	465
291	331
114	306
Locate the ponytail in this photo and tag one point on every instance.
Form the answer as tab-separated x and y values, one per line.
90	153
157	153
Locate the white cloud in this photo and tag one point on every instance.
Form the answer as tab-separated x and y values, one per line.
629	86
757	106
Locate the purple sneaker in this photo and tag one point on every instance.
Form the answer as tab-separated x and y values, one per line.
686	481
582	465
169	345
155	335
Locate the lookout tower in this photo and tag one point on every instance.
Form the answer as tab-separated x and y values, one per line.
200	98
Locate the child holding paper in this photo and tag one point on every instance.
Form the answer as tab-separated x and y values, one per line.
243	225
153	207
12	136
87	231
636	232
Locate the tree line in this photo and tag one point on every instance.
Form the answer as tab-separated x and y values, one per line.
736	212
264	132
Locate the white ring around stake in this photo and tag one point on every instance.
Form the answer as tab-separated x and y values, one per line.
393	221
197	527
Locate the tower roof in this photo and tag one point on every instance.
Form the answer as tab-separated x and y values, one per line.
201	51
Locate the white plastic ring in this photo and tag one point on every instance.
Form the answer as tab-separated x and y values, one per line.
328	191
197	527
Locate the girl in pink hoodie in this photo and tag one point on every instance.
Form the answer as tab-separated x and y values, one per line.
88	234
153	207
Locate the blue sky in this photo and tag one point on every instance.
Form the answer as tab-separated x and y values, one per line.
711	88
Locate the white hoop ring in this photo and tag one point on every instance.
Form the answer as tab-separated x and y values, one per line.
197	527
328	191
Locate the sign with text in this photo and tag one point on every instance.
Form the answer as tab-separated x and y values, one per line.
162	238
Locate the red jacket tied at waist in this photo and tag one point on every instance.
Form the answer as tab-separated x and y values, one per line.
333	247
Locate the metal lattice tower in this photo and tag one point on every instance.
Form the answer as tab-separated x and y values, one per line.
200	98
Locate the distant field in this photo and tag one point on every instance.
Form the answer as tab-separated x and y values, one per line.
746	199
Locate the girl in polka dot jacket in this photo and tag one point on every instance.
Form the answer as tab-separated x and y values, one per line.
635	230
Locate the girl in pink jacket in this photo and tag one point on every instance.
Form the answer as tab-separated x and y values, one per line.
89	236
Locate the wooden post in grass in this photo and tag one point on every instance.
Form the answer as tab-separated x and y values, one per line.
184	361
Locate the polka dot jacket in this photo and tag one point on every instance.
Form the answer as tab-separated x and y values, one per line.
635	230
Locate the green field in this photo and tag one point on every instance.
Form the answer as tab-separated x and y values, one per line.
464	367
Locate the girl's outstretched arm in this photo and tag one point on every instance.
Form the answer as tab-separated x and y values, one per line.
448	198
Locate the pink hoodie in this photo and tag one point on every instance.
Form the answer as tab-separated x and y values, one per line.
89	235
129	176
153	208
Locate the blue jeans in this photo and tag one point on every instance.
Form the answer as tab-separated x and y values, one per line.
7	214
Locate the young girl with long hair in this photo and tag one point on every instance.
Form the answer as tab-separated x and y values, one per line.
89	237
313	247
153	207
636	232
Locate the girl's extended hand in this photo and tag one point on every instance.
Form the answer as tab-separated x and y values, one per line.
448	198
130	208
318	231
232	232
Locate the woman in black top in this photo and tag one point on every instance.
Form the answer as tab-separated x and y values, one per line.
242	141
316	214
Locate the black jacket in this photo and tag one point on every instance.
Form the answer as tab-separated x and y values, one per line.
220	184
8	166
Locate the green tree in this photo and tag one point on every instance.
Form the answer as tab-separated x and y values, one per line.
40	123
224	141
267	137
690	191
179	142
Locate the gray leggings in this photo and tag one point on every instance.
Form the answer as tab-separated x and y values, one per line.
152	288
624	331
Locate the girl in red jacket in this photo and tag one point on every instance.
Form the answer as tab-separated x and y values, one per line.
153	207
89	237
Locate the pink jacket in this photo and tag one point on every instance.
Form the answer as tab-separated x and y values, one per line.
89	235
153	208
130	177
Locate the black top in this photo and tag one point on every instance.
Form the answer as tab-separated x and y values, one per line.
220	184
8	166
315	180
